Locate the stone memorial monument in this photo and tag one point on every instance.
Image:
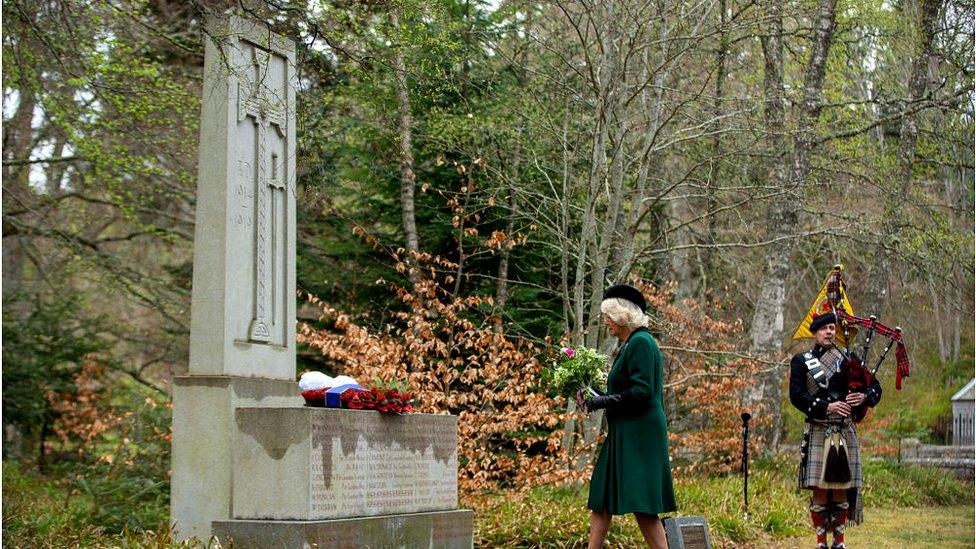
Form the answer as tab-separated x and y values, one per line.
242	338
250	464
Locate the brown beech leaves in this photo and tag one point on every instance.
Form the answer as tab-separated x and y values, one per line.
455	362
509	422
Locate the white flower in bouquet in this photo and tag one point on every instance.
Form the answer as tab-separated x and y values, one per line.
602	376
579	368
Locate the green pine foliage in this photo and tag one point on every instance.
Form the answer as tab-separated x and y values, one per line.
38	359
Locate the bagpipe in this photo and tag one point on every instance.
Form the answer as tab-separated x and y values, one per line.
854	375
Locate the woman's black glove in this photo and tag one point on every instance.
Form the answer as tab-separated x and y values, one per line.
585	393
616	403
602	401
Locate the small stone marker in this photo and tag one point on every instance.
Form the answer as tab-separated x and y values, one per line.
963	413
687	533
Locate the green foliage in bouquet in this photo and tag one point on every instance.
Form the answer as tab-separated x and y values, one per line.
579	368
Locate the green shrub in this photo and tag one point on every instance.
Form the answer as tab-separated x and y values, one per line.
43	349
95	483
49	512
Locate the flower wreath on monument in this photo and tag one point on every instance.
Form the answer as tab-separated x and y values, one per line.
320	390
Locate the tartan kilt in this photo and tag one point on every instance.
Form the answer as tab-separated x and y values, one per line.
812	451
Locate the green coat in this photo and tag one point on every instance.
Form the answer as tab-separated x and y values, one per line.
633	472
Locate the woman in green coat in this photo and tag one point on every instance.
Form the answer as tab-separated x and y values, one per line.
633	472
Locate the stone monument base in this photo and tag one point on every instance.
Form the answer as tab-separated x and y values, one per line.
435	530
203	444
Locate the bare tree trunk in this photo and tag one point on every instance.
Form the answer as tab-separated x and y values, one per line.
714	165
601	254
564	197
608	99
501	288
680	262
607	235
605	87
55	171
652	103
927	14
938	319
588	231
765	334
569	429
783	214
461	257
408	179
957	316
18	142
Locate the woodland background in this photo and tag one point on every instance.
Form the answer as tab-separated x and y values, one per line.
471	177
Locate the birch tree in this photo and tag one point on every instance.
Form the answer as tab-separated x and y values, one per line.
782	216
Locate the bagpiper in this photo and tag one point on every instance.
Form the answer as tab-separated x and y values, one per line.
833	389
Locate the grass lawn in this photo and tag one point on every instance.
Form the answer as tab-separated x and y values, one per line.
937	527
943	527
904	507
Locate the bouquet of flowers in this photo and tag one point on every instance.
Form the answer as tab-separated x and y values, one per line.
579	368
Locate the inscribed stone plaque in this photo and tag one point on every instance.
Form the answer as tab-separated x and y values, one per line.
243	310
687	533
324	463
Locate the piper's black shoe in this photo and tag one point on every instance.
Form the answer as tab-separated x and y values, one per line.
838	546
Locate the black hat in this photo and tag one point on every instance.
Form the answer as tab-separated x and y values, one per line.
630	293
820	321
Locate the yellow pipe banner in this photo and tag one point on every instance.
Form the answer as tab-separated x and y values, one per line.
821	305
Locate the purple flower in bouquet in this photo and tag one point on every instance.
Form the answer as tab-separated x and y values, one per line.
568	351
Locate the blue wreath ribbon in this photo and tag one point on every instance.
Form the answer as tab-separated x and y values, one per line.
332	396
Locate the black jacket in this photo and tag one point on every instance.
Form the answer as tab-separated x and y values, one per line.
815	405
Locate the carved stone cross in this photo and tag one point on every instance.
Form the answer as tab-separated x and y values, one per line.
255	99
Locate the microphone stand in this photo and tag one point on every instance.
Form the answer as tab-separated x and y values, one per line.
745	461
